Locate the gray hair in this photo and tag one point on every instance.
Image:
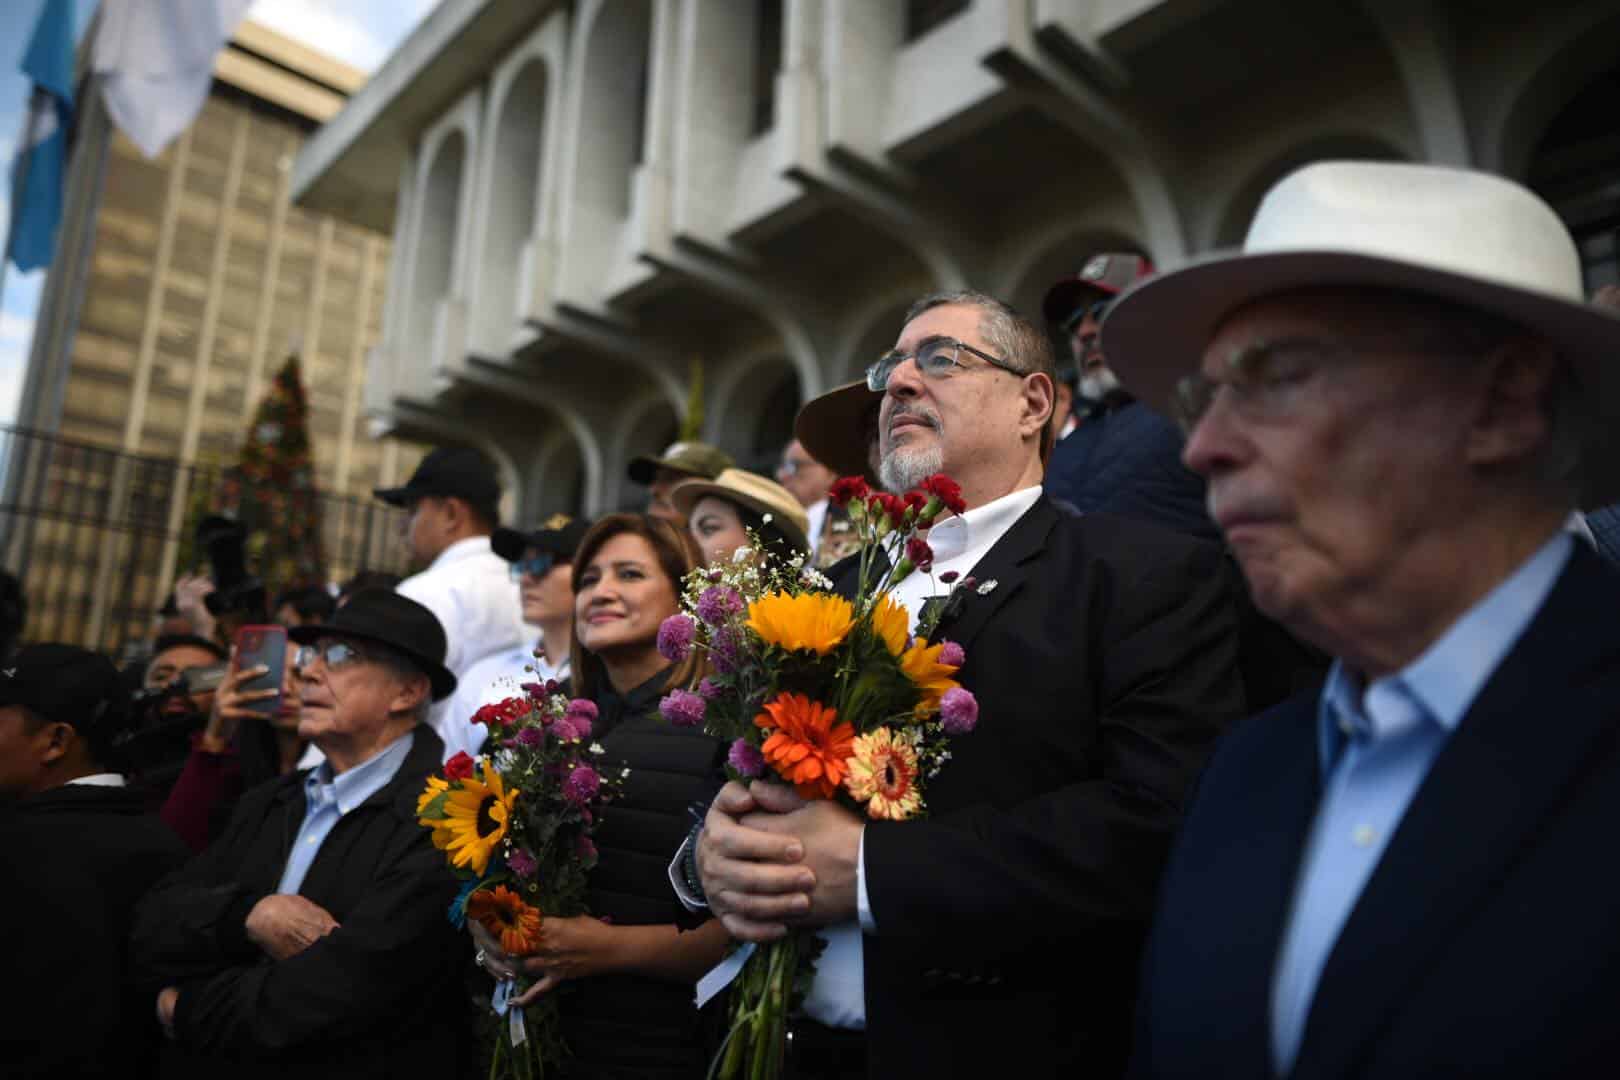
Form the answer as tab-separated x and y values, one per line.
1017	340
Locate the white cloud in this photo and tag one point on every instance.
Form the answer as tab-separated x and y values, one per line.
16	333
361	34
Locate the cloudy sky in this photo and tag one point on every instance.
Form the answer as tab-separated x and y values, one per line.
359	32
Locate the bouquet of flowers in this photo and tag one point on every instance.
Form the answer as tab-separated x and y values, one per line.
832	694
516	826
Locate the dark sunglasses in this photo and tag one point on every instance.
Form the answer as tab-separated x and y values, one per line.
1096	310
534	566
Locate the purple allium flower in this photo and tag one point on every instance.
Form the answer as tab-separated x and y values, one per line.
745	758
958	711
675	636
682	708
582	785
723	651
522	864
581	715
531	737
565	730
952	654
708	689
718	603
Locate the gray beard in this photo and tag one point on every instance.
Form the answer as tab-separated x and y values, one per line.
904	469
1094	386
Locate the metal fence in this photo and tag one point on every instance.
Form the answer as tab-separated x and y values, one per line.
95	535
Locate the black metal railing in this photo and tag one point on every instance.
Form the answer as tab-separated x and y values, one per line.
95	536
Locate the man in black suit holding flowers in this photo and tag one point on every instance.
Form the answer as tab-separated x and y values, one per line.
1008	924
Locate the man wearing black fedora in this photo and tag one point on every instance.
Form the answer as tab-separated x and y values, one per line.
313	932
453	499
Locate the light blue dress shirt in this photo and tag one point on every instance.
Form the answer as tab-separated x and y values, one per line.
1375	749
328	798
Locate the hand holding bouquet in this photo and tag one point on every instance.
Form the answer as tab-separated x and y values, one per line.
832	694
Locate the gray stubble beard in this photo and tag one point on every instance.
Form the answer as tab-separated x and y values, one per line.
903	469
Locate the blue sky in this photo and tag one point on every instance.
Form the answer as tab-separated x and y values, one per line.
358	32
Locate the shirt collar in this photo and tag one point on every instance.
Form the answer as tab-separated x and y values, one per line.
354	786
981	526
1442	683
461	549
100	779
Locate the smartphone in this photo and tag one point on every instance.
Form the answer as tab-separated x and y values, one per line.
262	646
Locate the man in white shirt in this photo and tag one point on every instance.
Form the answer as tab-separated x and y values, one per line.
542	562
808	480
1103	655
453	498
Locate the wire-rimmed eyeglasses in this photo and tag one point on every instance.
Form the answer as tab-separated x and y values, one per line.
935	356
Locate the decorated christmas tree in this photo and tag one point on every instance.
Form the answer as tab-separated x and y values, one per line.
272	489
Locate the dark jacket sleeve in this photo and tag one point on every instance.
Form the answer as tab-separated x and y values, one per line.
208	780
195	920
1086	857
387	953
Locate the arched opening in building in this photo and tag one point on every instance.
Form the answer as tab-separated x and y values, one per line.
1576	167
557	479
1240	210
649	430
436	237
514	195
756	410
616	86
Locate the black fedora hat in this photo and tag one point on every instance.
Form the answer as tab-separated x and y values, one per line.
396	621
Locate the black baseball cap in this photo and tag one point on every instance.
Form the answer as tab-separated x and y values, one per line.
64	684
558	535
454	471
386	617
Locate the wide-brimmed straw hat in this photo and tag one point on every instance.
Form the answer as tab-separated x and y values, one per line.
763	496
838	427
1467	237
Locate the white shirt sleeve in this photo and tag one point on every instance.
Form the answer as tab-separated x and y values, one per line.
863	906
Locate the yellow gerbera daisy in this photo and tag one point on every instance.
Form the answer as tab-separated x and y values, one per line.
891	622
883	775
477	816
932	678
813	621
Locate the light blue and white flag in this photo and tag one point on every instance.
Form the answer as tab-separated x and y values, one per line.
39	173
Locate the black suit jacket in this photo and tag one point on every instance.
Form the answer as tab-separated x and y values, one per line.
1010	921
1487	940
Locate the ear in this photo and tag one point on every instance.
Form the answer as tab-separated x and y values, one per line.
56	740
1039	396
1510	422
410	694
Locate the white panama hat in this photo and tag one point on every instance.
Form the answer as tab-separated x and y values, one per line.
1464	236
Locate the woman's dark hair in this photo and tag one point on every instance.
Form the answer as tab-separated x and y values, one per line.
677	556
367	579
312	603
773	539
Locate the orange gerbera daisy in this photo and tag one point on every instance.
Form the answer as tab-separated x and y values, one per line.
932	678
883	775
817	621
502	912
810	748
891	622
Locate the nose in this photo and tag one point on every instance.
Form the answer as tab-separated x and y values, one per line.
1215	444
905	381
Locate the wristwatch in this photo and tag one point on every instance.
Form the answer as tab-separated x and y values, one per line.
689	870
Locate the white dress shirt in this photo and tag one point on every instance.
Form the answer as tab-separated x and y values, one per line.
837	994
471	591
817	513
100	779
494	678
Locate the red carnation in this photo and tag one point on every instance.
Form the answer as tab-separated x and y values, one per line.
920	554
846	488
892	505
459	767
947	491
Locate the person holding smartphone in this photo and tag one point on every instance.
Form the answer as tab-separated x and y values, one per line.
251	736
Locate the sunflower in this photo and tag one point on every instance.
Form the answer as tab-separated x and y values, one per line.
436	786
809	748
814	621
503	913
932	678
477	816
883	775
891	622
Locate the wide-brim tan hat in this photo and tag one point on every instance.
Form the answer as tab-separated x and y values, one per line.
838	427
761	495
1463	236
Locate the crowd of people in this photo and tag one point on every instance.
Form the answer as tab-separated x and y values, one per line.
1295	652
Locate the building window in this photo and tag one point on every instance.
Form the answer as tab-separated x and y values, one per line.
767	62
923	15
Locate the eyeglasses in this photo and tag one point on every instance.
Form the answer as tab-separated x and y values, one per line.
537	566
336	655
934	357
1095	311
1264	382
790	467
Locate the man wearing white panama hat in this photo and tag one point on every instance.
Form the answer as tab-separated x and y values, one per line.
1395	403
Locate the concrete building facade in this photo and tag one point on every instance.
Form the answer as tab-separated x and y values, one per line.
584	197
